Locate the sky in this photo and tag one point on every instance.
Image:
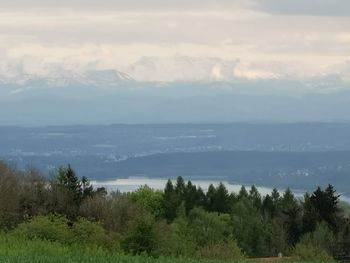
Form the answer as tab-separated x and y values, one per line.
169	40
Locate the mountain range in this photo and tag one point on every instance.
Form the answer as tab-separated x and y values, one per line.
110	96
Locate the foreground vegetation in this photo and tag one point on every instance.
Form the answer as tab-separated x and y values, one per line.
14	249
66	219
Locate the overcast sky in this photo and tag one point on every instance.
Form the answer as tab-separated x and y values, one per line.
242	38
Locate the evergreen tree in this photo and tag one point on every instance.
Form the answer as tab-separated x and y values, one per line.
291	216
309	218
221	199
243	194
268	207
292	224
190	196
211	198
170	201
180	191
325	206
69	180
232	199
255	197
68	192
201	199
87	189
288	200
276	199
180	188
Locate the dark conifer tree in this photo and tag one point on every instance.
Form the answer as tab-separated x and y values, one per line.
325	206
170	201
268	207
276	198
211	198
288	199
232	199
69	180
255	198
87	189
201	199
169	189
292	224
180	188
243	194
310	216
190	197
221	199
290	210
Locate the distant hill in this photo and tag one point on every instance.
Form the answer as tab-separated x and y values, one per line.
299	155
110	96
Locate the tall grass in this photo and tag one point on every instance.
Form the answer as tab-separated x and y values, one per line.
15	249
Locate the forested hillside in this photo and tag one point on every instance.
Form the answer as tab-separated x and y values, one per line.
183	221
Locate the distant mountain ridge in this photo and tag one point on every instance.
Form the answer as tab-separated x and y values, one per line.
109	96
96	78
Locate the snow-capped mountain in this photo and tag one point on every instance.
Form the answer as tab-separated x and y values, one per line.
64	78
182	68
52	95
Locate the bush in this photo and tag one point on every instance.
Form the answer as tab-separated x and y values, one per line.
229	250
114	212
149	199
316	246
51	228
311	253
140	238
59	228
11	246
84	231
202	234
208	227
178	242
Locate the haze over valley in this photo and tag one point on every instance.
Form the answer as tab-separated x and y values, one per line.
300	155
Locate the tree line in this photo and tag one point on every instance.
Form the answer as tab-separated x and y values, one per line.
183	220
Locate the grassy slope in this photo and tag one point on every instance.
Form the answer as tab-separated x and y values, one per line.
13	250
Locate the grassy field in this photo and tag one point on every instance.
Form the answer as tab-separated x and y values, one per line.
14	249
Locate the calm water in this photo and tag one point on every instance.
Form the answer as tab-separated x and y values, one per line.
133	183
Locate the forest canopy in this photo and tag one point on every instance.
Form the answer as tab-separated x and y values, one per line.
182	220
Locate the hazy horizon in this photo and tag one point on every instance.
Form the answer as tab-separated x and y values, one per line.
89	62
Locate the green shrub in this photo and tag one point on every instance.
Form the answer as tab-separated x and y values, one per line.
149	199
316	246
208	227
140	237
229	250
201	234
87	232
59	228
311	253
51	228
179	242
12	246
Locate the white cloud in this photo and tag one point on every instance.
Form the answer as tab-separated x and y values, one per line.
247	70
182	68
216	73
123	5
343	37
306	7
37	36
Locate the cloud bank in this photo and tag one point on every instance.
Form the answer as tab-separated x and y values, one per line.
187	40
